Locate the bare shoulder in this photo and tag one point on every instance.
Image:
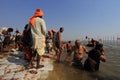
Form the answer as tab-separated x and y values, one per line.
85	49
81	46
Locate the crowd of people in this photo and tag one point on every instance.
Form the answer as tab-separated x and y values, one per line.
35	41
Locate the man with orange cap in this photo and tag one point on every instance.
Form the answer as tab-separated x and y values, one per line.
38	33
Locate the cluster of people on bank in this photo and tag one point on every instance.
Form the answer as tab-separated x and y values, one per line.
35	41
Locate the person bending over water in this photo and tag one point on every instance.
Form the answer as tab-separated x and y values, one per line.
94	56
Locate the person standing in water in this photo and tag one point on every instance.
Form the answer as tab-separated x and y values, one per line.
59	43
69	51
78	50
54	38
38	32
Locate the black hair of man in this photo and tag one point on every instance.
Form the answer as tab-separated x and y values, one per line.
26	26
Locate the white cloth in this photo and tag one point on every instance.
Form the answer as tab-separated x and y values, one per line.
2	30
38	35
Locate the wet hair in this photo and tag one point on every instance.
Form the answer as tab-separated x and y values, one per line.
61	28
98	46
69	41
77	42
17	31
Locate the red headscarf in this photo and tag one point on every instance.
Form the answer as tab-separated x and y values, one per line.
37	13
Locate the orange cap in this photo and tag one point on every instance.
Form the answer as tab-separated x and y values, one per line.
37	13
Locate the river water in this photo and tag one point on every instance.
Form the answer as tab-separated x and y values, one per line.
110	70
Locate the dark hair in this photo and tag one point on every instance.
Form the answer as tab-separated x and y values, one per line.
98	46
26	26
17	31
61	28
10	30
69	41
40	16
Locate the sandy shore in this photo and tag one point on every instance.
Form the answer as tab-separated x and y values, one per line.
14	67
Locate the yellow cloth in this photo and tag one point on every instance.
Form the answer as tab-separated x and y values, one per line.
40	51
40	45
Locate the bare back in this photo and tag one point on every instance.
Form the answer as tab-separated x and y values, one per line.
58	36
69	46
